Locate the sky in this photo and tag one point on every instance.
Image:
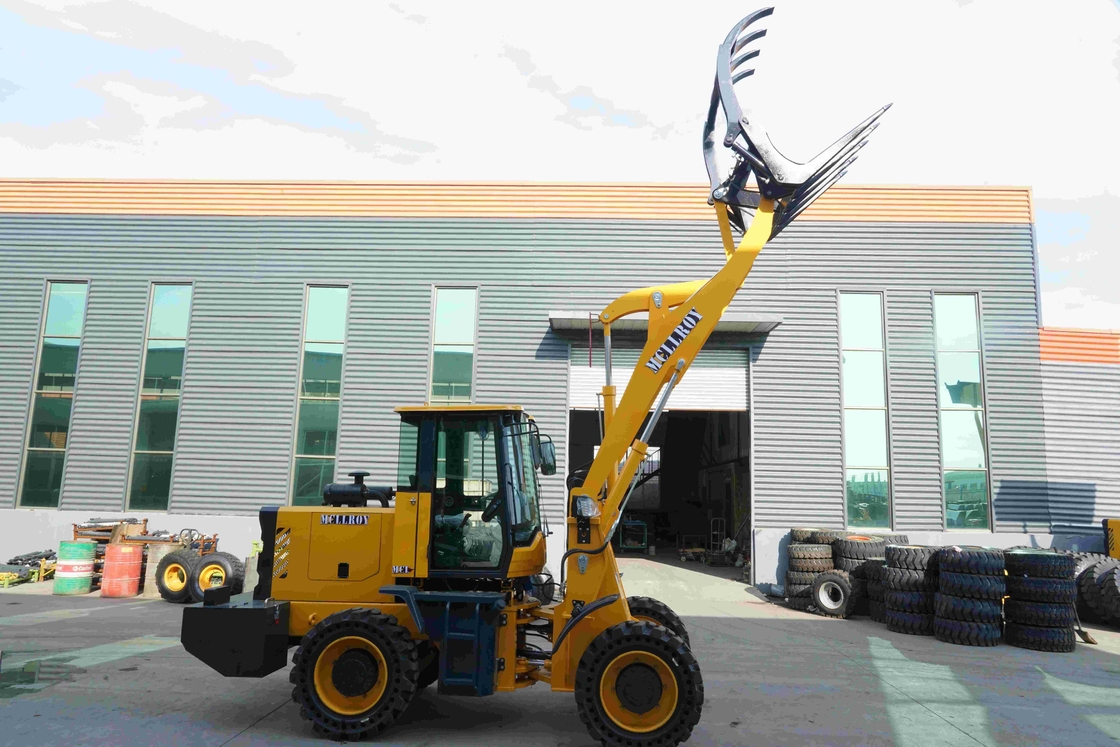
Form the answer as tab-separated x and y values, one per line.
998	92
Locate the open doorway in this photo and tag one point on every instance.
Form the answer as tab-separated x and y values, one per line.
695	487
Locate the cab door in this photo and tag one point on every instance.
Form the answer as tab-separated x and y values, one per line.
415	478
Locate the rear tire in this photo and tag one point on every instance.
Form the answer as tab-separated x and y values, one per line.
1056	640
322	687
173	575
834	594
639	684
647	608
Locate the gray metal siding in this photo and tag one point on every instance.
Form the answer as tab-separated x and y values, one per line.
101	421
1082	403
234	446
21	301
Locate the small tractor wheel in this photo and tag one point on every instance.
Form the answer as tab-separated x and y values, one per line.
214	570
658	613
173	575
639	684
354	674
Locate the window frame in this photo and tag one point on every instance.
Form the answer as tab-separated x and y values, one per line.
432	304
985	411
40	337
888	424
126	497
294	453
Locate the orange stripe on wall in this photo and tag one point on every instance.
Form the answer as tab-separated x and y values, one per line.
492	200
1079	345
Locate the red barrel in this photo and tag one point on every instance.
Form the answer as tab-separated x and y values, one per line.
121	576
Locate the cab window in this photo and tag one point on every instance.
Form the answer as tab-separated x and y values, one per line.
524	506
466	484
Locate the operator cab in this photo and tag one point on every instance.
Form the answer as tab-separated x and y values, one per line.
479	465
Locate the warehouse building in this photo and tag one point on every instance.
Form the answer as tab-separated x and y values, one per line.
189	352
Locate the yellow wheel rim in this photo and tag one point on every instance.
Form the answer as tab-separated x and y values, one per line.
621	674
174	577
326	687
211	576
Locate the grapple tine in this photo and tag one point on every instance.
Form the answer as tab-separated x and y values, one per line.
751	37
744	74
789	214
744	57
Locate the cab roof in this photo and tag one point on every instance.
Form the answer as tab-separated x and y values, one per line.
428	407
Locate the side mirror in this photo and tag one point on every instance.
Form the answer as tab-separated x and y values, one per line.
548	457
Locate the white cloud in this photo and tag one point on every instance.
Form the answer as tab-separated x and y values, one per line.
1073	307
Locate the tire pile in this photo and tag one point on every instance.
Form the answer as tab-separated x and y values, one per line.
806	559
873	577
968	607
1089	571
1042	592
909	579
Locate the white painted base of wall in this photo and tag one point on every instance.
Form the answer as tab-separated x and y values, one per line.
31	530
770	546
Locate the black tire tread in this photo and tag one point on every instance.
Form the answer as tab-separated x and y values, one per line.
1040	563
949	607
850	547
800	578
1048	590
851	591
909	623
395	642
809	552
1040	614
966	633
907	579
1054	640
979	561
920	602
972	586
913	557
810	565
188	559
602	650
659	611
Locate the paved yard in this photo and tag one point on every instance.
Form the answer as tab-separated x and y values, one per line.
112	672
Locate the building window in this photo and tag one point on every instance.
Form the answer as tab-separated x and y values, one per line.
863	376
161	383
453	341
960	395
53	394
320	389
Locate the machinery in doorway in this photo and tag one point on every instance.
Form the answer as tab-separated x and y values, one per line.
437	584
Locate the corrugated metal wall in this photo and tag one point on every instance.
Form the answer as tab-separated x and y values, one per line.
716	380
21	300
234	444
1082	403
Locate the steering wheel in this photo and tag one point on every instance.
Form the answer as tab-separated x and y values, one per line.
492	508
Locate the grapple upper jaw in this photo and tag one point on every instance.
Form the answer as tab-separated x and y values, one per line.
793	186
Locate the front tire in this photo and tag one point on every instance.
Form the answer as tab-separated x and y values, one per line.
215	570
639	684
355	673
173	575
651	610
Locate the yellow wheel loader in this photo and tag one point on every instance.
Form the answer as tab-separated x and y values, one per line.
441	581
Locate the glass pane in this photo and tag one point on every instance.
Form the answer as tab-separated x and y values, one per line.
468	449
408	457
526	514
451	372
868	497
955	319
326	314
962	437
322	370
861	320
42	481
865	438
966	500
155	430
171	311
151	482
66	310
50	421
311	476
455	316
317	434
58	364
163	367
959	380
863	379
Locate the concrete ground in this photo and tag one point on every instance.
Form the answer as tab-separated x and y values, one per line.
91	671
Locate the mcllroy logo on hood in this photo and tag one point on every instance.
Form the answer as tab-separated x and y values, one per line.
343	519
673	341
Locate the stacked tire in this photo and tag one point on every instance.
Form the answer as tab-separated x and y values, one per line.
851	551
968	606
1042	593
910	580
873	577
1089	570
805	560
